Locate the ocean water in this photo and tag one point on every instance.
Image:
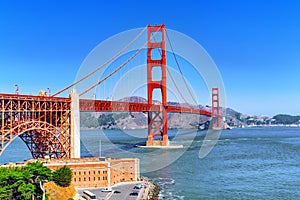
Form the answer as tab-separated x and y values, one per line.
250	163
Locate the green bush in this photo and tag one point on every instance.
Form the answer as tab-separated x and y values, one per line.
63	176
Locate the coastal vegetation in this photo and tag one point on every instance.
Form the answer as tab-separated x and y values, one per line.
108	120
286	119
27	182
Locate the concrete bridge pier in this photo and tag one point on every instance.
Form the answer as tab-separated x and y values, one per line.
75	125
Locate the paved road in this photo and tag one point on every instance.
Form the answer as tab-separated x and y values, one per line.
124	188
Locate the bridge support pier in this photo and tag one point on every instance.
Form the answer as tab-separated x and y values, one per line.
75	125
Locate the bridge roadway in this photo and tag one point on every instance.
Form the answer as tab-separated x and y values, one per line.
87	105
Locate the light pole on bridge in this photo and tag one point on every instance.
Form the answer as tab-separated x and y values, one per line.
49	91
17	89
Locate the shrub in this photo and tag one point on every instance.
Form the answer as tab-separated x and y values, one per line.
63	176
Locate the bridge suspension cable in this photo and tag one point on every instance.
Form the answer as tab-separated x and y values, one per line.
172	79
117	69
179	68
103	65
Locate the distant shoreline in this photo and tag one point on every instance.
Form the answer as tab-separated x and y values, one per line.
274	125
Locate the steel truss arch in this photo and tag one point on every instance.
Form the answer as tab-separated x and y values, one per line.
41	138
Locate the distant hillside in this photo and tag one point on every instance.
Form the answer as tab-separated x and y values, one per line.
140	121
286	119
234	118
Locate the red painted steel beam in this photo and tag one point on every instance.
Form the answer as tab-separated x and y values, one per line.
180	109
116	106
32	97
87	105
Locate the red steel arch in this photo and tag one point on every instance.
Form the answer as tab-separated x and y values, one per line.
41	138
42	122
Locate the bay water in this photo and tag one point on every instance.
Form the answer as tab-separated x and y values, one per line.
249	163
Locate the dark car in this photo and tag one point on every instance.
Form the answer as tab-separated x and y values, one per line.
117	192
134	194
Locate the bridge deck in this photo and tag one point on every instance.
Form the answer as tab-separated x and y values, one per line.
87	105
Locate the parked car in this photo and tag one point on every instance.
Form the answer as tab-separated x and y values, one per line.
107	189
134	194
138	186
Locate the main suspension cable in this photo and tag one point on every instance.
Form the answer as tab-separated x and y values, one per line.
172	79
120	67
179	68
104	64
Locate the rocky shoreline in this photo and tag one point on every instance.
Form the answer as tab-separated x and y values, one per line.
151	191
154	192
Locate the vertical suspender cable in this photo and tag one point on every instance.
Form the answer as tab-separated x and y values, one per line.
179	68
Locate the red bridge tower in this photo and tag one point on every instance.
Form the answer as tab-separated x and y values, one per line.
215	109
157	121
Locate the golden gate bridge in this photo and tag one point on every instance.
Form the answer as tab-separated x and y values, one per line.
50	125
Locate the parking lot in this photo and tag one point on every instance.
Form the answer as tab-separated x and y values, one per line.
124	188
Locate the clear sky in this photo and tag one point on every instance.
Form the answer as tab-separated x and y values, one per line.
255	44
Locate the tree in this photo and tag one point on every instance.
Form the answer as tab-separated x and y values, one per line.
23	182
36	173
11	179
106	120
5	191
27	190
63	176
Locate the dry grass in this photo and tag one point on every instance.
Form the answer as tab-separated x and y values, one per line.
60	193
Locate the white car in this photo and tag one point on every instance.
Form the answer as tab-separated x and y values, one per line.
107	189
138	186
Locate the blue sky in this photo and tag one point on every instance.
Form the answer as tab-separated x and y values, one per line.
255	44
